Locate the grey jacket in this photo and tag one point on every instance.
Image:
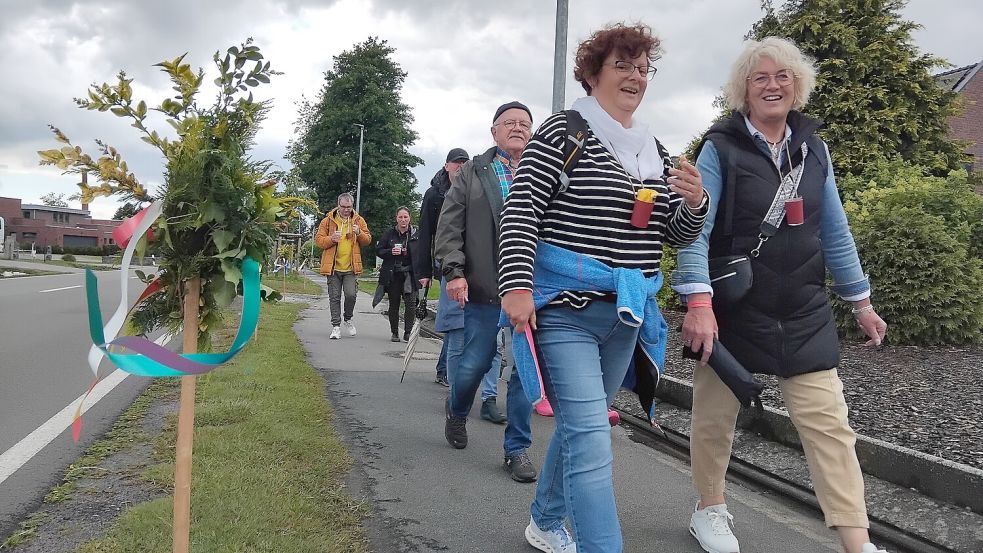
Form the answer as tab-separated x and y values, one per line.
467	233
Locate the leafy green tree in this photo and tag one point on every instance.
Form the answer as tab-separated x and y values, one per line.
362	88
127	210
874	91
54	200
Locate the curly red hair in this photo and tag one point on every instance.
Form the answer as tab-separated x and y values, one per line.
627	40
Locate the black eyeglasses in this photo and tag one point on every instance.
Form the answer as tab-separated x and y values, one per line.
626	68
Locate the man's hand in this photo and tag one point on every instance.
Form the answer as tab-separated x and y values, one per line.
519	308
424	282
356	229
336	236
457	290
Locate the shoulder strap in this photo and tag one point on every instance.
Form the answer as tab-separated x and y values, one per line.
573	146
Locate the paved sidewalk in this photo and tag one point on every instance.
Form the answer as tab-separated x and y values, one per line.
426	496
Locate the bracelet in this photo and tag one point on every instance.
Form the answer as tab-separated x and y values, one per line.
699	303
857	311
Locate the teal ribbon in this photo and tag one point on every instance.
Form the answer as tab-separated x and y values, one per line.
150	359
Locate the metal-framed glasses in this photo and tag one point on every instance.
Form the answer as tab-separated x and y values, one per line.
511	124
626	67
782	78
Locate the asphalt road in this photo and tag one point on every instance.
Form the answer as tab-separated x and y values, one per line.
426	496
44	341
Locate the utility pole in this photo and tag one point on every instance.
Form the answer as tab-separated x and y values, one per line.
358	189
560	56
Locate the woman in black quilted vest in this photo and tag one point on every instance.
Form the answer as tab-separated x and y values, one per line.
774	200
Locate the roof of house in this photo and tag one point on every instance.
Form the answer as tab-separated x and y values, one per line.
956	79
68	210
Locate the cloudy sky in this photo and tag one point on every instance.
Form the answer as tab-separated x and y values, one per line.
463	59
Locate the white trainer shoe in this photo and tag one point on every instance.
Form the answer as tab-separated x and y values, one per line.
350	327
550	541
335	333
712	528
871	548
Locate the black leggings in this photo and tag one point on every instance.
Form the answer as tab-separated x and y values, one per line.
395	291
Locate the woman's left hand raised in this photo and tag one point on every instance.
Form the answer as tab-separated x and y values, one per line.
687	182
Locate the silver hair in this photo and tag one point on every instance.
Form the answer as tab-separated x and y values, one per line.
346	195
786	54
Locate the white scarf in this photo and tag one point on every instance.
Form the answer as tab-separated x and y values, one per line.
634	147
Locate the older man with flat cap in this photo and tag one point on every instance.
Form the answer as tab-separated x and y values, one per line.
467	248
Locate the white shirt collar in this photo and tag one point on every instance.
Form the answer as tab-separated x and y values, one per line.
756	133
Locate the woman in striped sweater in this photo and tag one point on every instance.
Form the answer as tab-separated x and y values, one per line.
587	328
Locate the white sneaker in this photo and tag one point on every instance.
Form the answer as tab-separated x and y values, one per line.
712	528
552	541
350	327
871	548
335	333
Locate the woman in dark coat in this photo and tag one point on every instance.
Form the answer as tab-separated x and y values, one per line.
396	276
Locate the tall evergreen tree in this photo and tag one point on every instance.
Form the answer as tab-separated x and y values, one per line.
874	91
363	87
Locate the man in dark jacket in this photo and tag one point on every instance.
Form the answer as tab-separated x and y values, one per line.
423	259
467	248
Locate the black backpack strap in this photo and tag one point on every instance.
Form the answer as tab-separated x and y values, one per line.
573	146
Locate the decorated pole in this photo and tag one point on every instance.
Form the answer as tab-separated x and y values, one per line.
186	425
216	217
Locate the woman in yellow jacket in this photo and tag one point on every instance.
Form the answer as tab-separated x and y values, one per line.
340	236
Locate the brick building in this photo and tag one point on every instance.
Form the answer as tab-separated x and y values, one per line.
45	225
968	83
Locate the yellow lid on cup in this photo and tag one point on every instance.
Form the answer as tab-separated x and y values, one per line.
646	195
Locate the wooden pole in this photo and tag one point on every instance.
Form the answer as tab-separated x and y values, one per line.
186	425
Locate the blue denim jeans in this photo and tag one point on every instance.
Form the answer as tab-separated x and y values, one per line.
489	384
442	361
584	355
470	351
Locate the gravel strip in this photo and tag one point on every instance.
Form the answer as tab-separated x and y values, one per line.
929	399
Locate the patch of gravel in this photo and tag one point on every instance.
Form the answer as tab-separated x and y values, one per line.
924	398
111	487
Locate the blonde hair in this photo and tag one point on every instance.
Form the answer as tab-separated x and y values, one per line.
786	54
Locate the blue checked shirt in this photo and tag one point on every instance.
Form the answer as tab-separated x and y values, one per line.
503	170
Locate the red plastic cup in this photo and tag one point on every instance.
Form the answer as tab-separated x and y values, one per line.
794	215
641	213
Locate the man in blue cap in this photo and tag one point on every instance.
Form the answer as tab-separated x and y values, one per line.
467	248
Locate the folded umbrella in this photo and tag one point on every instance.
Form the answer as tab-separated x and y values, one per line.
380	292
740	381
421	313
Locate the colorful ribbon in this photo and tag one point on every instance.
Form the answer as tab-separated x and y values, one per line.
148	358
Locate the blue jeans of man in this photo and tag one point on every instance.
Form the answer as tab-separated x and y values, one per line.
584	356
470	353
489	384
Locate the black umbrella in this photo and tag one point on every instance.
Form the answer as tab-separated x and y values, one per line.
740	381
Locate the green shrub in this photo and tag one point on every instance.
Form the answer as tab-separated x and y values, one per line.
307	248
668	300
926	285
68	257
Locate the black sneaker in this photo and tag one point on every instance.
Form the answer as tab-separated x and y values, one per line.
406	336
520	467
490	412
395	337
442	380
455	429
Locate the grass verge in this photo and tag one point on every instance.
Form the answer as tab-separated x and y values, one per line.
24	272
291	284
268	469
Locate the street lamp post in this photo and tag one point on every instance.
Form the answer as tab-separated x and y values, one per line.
560	55
358	188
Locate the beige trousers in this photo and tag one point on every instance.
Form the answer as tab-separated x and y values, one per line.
818	410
